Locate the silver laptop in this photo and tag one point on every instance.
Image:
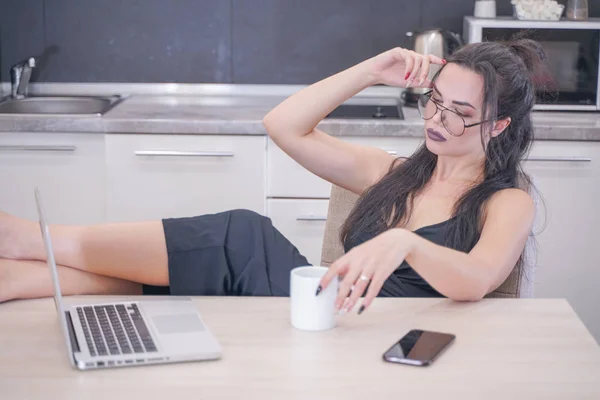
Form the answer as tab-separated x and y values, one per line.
122	334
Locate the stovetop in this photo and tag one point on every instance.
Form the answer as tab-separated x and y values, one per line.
367	111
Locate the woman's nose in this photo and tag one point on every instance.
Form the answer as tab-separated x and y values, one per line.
437	117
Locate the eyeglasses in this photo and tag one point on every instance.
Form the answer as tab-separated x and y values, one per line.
454	123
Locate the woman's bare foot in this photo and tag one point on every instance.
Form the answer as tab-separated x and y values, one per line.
18	237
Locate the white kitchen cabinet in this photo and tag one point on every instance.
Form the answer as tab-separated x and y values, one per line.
288	179
68	168
567	175
302	222
161	176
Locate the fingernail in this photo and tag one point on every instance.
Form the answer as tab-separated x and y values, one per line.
444	61
361	309
318	290
406	76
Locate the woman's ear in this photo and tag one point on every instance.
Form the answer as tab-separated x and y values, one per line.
500	126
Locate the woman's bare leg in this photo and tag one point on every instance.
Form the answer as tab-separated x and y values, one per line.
132	251
31	279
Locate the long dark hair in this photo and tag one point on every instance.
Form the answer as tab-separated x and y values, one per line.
507	69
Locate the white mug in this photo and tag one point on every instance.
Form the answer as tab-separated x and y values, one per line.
485	9
307	310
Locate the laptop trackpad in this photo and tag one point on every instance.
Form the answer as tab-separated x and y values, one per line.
177	323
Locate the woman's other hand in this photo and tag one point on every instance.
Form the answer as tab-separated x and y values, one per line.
402	68
367	266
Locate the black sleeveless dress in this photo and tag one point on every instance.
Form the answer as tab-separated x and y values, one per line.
241	253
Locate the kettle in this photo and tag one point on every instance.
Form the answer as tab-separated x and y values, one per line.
440	43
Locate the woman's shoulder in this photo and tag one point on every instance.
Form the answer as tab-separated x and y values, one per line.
512	194
510	201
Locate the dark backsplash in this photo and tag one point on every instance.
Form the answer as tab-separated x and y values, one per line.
213	41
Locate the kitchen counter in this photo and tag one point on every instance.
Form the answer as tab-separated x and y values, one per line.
234	114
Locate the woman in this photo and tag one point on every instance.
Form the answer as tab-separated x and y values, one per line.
452	220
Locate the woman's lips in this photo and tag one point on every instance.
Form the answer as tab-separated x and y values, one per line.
435	135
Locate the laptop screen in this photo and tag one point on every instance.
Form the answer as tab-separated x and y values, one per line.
60	309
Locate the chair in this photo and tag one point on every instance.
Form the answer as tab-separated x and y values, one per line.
341	203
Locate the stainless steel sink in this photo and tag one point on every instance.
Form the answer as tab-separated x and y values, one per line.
60	105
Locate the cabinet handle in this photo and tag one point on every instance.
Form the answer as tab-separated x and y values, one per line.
560	158
26	147
184	153
311	218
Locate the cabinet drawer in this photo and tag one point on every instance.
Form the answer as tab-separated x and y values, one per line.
68	168
302	222
287	178
160	176
560	154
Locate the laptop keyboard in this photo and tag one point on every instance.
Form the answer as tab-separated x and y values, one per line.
115	329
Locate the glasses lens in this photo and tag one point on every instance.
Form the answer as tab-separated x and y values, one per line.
426	106
453	123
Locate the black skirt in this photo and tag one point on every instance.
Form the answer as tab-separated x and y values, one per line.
236	252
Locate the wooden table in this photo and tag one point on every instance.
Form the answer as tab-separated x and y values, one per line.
505	349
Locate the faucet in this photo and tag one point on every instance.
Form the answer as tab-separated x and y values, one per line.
20	74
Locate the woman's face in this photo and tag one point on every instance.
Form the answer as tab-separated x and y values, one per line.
459	90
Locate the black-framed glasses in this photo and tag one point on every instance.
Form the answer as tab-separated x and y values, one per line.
454	123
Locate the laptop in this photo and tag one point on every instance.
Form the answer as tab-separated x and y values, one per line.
123	334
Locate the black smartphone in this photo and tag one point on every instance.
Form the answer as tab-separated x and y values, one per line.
418	347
